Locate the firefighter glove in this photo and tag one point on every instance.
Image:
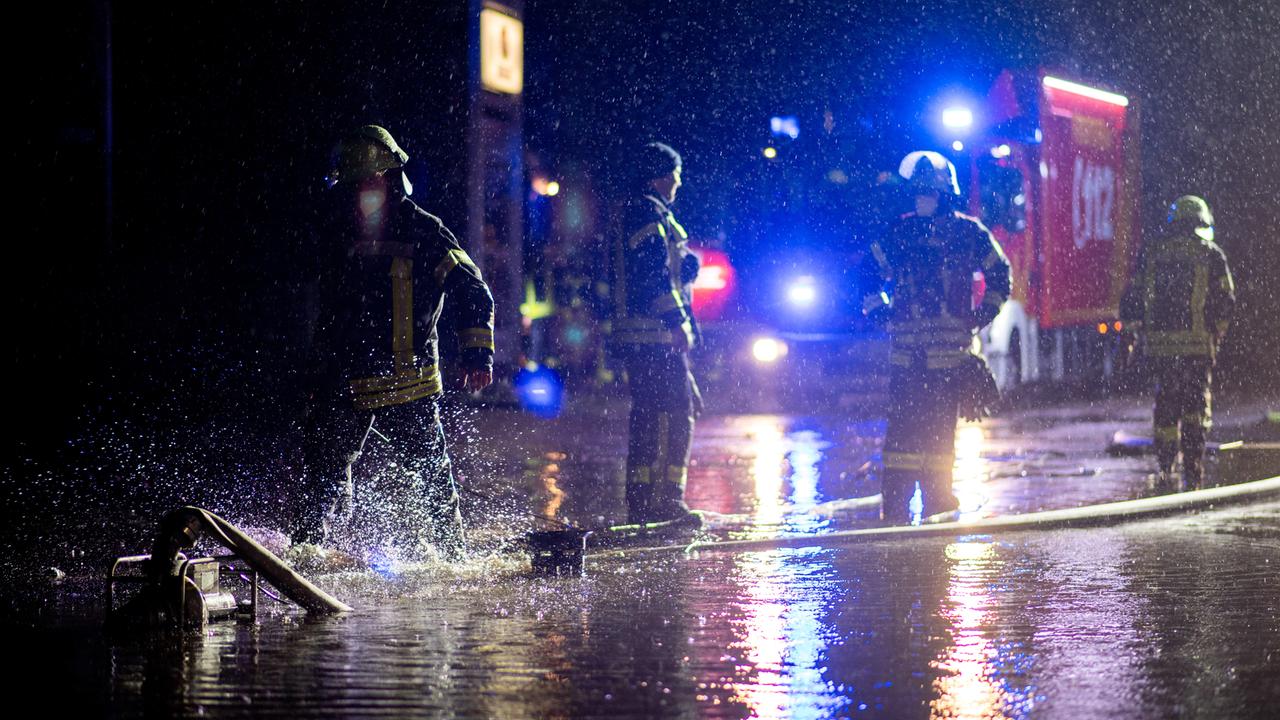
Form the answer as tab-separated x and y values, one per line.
689	268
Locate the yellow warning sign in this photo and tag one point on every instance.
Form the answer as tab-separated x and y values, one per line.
501	52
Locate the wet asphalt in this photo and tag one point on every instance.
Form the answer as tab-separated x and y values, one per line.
1160	618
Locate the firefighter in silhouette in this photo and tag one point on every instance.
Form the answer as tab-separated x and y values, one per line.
653	330
384	268
919	280
1179	305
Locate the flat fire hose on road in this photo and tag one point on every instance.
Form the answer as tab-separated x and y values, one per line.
1089	515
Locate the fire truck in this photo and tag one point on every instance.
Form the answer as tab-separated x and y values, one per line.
1049	164
1055	176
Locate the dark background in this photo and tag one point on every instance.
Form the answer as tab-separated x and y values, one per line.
168	161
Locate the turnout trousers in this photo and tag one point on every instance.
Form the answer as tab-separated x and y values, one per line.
410	498
1182	415
661	433
919	444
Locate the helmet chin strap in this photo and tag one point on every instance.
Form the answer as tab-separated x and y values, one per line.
404	181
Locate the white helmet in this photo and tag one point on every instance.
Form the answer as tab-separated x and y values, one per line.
930	170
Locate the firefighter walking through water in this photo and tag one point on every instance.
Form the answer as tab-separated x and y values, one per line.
653	330
384	268
920	281
1180	305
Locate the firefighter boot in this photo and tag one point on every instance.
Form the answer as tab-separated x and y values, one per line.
1192	471
1166	445
639	499
896	491
448	537
1162	482
440	519
1193	435
1166	479
940	503
668	503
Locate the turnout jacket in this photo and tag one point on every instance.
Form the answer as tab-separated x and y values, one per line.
921	277
1181	300
650	272
381	286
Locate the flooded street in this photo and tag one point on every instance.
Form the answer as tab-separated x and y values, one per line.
696	306
1176	617
1158	618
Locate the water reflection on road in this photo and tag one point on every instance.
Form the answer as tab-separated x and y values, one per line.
780	637
966	685
1152	620
1162	618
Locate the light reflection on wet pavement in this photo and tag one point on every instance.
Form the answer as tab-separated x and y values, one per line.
1173	617
765	475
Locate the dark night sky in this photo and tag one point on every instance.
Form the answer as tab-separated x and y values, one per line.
224	113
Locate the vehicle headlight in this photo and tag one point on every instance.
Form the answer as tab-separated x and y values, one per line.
767	350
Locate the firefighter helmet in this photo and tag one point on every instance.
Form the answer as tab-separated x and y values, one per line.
651	161
929	170
364	153
1192	212
1190	209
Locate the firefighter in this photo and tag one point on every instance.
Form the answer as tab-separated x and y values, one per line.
1180	305
385	267
919	282
653	330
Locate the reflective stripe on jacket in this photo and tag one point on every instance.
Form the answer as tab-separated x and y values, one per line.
380	288
646	257
923	272
1182	298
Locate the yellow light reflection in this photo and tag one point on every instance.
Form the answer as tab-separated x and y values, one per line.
967	686
766	646
550	484
777	631
971	471
768	468
781	671
806	453
784	475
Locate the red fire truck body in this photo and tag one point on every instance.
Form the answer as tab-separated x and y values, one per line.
1055	178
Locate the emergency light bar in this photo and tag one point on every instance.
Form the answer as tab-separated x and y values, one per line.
1085	90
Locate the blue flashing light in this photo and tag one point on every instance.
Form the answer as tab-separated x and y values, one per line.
957	118
784	126
540	391
802	292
